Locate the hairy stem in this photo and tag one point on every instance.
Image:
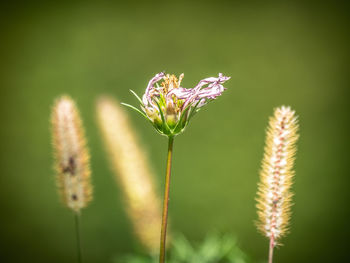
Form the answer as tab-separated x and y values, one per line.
166	202
77	232
271	249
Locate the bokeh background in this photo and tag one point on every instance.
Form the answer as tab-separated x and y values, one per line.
277	52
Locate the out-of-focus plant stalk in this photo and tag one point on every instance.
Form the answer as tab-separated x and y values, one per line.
72	159
166	201
77	231
132	171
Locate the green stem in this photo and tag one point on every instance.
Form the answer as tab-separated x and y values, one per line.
77	232
166	202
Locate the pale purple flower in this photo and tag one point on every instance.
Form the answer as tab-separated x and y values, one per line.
213	90
169	106
150	90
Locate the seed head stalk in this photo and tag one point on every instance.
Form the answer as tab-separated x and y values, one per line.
276	177
71	160
77	232
271	247
166	201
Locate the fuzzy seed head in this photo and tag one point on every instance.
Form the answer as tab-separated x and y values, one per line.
132	172
71	155
274	194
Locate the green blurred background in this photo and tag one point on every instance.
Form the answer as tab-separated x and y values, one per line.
277	52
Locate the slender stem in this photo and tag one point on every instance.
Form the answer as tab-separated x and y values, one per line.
166	202
271	249
77	232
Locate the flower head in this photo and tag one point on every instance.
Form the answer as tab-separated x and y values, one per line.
71	154
274	194
169	106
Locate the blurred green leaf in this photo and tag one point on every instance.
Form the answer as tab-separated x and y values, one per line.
215	248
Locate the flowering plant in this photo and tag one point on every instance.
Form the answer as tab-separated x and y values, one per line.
169	107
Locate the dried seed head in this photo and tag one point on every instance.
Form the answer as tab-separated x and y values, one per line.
72	158
131	171
274	195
